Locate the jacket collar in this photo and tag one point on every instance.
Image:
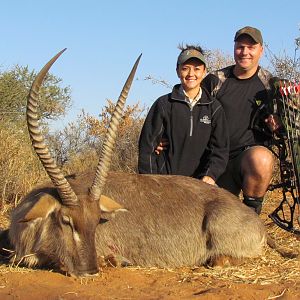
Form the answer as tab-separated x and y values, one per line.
178	95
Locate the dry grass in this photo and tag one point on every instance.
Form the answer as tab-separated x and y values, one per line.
4	216
19	168
4	269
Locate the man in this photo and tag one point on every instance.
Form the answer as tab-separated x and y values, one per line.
243	90
191	120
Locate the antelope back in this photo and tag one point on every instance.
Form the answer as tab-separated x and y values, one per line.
176	221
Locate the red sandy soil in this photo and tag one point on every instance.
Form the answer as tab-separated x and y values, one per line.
127	283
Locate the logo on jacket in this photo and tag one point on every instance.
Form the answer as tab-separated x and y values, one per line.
205	120
258	102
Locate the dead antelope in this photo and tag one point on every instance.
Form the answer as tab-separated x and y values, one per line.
164	221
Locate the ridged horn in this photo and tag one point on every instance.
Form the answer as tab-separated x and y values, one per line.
110	138
65	191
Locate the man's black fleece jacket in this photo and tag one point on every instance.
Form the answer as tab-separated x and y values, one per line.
197	136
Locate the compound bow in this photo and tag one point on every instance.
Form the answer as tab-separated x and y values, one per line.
287	141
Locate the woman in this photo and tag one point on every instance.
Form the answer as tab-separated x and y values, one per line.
192	122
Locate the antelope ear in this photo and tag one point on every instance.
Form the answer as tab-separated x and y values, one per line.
41	208
109	205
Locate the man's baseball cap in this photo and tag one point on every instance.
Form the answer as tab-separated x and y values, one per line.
254	33
188	54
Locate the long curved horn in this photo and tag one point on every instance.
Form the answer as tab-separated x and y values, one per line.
65	191
110	138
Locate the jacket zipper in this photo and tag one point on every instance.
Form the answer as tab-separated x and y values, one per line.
191	121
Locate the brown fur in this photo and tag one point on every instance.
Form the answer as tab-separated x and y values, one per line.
170	221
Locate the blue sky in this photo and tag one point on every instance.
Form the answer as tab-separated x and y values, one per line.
103	39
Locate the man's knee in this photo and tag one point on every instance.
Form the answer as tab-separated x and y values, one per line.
258	161
256	172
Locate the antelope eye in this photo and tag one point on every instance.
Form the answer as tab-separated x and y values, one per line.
102	220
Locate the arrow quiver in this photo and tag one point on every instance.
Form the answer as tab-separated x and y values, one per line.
287	142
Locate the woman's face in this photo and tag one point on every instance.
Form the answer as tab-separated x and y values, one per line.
191	74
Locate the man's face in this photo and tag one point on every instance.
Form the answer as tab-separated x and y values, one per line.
191	74
247	53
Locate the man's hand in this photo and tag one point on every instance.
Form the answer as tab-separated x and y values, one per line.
273	122
163	145
208	180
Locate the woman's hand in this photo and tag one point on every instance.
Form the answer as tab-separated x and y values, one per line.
208	180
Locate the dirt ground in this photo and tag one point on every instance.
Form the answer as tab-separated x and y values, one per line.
130	283
270	276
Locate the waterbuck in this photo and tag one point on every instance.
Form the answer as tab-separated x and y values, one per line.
146	220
